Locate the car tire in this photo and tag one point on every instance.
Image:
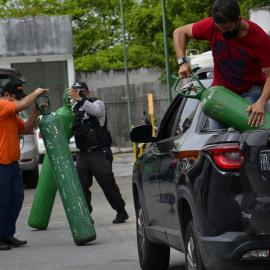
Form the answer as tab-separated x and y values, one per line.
151	256
31	178
40	159
193	259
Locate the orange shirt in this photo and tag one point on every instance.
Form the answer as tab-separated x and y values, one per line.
10	127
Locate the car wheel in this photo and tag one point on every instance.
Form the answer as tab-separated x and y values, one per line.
193	258
31	178
151	256
40	159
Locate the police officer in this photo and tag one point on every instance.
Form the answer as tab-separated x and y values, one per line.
95	156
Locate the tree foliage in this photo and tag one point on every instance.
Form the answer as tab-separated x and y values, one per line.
97	28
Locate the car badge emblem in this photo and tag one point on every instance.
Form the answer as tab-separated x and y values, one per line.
264	161
246	215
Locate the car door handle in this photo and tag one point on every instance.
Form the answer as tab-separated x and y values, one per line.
174	152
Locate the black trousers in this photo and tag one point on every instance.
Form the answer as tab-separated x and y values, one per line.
99	164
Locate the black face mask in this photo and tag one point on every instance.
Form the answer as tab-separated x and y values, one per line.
82	94
232	34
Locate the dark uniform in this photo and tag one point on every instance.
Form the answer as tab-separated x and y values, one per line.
95	156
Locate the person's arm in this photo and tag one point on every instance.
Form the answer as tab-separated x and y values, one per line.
30	123
96	108
180	36
26	102
257	109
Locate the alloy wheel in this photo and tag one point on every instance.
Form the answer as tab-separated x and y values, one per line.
191	255
141	235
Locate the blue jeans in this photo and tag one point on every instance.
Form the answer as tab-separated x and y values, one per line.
252	95
11	198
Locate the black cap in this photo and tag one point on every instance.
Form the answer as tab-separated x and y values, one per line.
14	87
80	86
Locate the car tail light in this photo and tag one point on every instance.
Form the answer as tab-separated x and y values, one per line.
226	156
139	166
39	135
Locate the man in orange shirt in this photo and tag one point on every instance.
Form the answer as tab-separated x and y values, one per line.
11	182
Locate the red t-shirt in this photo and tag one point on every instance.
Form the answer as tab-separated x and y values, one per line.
10	127
238	62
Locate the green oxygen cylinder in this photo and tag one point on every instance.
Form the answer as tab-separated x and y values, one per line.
66	176
46	188
224	106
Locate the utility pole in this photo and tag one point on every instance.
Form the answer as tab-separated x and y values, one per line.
166	51
126	64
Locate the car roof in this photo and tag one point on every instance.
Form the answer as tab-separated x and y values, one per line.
10	74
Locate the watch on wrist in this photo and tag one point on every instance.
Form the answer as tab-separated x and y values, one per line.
181	61
79	99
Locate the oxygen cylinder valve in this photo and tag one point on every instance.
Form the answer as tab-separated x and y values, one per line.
195	89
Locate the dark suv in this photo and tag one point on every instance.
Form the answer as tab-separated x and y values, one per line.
29	152
203	192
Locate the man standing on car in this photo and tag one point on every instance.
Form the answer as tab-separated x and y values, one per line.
95	156
241	55
11	182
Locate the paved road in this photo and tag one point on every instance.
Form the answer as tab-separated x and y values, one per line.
54	249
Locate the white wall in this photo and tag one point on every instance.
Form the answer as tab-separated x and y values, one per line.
37	39
261	16
97	79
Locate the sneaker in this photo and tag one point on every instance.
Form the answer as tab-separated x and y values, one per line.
120	218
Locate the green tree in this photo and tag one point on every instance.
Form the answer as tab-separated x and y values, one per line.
97	28
246	5
144	24
145	20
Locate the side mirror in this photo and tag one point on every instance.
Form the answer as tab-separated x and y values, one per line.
142	134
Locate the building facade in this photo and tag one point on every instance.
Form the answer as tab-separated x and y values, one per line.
42	49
